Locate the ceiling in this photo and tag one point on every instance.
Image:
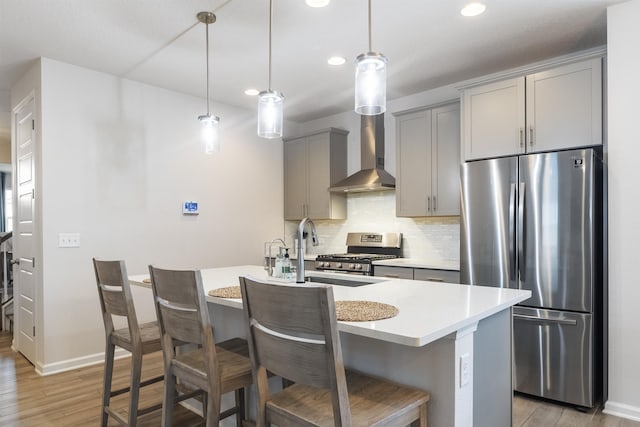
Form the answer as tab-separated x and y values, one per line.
160	42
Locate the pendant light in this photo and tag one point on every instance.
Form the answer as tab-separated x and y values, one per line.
209	123
270	102
371	80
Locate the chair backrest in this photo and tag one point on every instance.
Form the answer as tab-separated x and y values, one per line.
182	309
293	333
115	296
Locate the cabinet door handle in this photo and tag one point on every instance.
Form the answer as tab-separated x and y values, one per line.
433	279
392	276
521	137
531	135
435	208
429	204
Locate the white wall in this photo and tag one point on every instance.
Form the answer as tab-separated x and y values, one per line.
623	80
118	160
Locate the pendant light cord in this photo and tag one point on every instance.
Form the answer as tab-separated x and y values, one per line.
270	19
207	45
369	25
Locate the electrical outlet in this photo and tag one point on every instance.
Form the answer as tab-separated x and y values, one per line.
465	370
69	240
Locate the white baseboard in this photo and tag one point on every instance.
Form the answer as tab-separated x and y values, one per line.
80	362
622	410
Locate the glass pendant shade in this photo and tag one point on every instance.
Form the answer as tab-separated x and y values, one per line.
371	84
270	105
210	133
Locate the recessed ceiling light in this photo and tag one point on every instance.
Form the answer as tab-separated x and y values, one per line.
317	3
251	92
473	9
336	60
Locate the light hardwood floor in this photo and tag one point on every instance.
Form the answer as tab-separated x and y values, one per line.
73	398
530	412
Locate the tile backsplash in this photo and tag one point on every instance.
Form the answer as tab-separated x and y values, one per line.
433	239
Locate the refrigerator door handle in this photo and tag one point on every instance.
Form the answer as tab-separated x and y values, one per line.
521	234
512	234
561	321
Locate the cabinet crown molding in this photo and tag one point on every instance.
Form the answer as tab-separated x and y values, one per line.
598	52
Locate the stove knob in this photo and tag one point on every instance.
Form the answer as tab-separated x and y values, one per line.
339	265
326	264
352	266
359	266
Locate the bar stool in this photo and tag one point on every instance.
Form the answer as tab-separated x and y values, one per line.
213	369
138	339
299	340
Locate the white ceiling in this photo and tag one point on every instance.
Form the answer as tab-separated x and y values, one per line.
160	42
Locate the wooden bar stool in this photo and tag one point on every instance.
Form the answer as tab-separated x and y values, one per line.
214	369
293	333
138	339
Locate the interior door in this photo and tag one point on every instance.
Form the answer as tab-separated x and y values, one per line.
23	235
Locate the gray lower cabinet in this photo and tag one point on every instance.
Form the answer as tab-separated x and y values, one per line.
312	163
393	272
426	274
432	275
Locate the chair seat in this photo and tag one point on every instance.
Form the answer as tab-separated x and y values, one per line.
233	360
149	332
373	402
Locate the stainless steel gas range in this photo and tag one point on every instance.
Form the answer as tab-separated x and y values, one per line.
362	250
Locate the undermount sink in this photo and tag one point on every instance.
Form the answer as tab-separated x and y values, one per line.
338	281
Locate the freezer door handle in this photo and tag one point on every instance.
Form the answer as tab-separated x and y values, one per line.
512	234
560	320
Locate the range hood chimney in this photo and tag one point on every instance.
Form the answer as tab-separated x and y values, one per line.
372	175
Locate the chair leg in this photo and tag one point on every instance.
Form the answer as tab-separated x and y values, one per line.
213	410
108	375
134	396
241	415
168	399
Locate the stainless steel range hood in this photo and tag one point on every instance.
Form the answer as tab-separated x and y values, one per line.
372	175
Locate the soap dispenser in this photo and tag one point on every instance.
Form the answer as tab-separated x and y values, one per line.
286	264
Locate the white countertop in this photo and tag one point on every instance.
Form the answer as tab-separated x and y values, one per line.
428	311
420	263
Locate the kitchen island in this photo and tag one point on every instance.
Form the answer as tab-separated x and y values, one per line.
451	340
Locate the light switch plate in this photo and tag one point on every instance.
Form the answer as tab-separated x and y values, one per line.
69	240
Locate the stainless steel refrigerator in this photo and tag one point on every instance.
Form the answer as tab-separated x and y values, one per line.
534	222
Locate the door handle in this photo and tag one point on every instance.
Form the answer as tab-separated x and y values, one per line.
521	233
15	261
561	320
512	232
521	138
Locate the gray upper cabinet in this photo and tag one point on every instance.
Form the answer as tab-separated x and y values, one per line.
312	163
428	168
554	109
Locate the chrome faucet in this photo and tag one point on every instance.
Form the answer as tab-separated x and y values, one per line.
267	263
314	241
